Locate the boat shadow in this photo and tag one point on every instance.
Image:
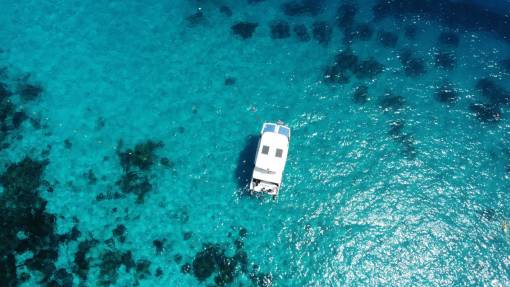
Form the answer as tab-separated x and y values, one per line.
245	163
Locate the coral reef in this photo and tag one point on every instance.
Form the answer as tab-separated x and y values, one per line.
345	15
360	95
302	7
446	93
445	60
302	33
136	164
413	66
387	39
280	29
244	30
322	32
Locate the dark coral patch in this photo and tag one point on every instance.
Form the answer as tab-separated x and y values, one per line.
21	180
244	29
360	95
135	182
165	161
196	18
142	156
227	267
493	92
230	81
243	232
446	93
100	123
368	69
23	211
345	15
238	243
111	261
186	268
262	279
361	32
335	75
302	7
302	33
280	30
346	60
159	245
81	261
449	39
488	214
127	260
445	60
18	118
413	66
159	272
212	260
29	92
91	177
387	39
406	140
225	10
390	102
135	164
322	32
8	275
460	15
242	258
36	123
7	109
410	32
187	235
505	64
408	146
68	144
143	269
73	235
61	278
206	261
486	113
4	92
396	128
120	232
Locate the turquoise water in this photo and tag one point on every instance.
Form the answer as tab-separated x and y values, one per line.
131	126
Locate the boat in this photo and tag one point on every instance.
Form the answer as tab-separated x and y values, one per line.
270	159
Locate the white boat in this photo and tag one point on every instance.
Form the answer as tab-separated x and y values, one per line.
270	160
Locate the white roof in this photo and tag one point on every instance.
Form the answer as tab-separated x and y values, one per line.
269	167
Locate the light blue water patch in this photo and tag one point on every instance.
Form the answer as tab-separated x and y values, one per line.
402	182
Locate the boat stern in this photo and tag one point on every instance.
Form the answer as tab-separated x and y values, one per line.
258	186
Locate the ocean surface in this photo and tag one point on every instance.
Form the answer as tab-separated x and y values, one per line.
128	130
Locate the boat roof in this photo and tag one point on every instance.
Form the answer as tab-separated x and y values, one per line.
272	153
276	128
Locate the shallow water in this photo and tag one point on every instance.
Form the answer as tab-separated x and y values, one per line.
402	186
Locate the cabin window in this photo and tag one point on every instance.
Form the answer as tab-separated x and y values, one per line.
269	128
279	152
284	131
265	149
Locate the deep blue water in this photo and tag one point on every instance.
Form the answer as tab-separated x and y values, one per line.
127	133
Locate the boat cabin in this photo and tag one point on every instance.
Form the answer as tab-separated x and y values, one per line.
270	159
